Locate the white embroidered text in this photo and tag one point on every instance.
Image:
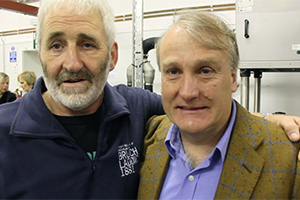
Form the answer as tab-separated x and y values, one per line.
128	157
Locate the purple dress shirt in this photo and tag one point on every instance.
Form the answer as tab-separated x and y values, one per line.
183	182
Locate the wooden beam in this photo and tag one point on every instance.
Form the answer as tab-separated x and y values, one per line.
19	7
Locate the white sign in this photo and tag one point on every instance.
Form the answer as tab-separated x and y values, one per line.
245	5
13	56
296	47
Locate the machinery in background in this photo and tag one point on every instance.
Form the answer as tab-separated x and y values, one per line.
140	73
268	37
147	69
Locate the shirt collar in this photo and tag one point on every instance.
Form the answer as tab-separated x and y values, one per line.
174	145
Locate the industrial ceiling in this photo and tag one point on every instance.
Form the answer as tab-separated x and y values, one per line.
20	6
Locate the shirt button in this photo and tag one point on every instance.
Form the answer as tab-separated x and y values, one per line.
191	177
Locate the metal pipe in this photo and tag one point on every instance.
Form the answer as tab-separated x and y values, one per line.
245	92
3	54
121	18
170	12
257	90
137	32
18	31
245	74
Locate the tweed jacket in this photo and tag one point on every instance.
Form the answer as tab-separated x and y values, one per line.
261	162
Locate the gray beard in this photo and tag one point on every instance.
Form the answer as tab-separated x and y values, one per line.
77	98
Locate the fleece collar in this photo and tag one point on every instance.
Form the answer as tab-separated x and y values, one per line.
35	120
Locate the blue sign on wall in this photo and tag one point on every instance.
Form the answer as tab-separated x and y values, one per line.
13	56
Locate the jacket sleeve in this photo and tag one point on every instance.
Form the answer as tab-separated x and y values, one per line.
154	103
296	190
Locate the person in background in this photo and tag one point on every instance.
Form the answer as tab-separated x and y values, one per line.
208	146
27	80
5	94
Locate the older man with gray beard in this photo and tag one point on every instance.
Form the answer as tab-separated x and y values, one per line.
74	136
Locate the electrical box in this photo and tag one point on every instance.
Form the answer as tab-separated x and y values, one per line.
268	33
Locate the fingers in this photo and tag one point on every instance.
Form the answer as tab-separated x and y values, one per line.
290	124
294	137
292	131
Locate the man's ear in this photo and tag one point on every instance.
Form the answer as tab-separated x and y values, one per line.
114	55
234	84
40	56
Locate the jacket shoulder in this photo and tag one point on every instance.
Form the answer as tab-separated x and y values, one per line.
9	110
260	163
257	128
125	90
139	100
157	128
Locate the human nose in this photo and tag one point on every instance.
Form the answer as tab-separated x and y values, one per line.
72	60
189	88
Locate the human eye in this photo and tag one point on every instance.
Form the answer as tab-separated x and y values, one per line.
205	71
173	71
87	45
56	46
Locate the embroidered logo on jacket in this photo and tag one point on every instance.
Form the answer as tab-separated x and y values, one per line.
128	157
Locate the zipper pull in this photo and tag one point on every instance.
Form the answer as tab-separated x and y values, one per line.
92	156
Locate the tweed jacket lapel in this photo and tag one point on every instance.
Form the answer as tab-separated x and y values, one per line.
158	169
243	164
156	158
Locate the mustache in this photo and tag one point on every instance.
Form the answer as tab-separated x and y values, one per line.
65	75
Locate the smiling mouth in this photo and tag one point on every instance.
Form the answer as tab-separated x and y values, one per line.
73	80
191	108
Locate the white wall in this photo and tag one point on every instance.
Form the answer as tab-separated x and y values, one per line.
279	90
13	21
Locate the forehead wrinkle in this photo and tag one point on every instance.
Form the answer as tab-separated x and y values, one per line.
88	37
57	34
54	18
205	61
68	19
54	35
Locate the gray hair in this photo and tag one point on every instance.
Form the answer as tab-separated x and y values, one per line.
210	31
80	6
